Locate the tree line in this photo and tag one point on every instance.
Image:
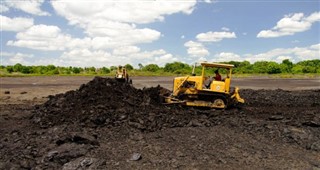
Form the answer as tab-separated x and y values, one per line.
243	67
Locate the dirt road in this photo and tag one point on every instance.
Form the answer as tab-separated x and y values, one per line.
35	88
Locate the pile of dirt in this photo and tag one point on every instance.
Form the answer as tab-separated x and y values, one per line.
107	102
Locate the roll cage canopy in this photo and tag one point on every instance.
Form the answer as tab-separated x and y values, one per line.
217	65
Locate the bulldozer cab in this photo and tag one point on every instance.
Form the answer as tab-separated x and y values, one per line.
216	77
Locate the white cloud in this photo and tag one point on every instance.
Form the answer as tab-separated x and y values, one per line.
41	37
28	6
85	57
226	56
196	49
315	47
290	25
111	24
215	36
14	58
3	8
100	58
147	55
15	24
162	60
125	50
121	11
295	41
209	1
225	29
296	54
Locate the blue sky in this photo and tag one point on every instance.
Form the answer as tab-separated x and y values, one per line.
106	33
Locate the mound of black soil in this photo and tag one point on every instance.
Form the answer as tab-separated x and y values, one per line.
107	102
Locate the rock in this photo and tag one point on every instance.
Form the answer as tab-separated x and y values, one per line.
51	155
6	92
86	162
135	157
24	92
82	163
276	117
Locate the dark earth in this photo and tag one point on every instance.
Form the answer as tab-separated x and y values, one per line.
104	124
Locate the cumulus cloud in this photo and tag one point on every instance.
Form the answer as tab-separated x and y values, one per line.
163	59
112	24
3	8
15	24
112	31
225	29
121	11
209	1
100	58
215	36
196	49
126	50
28	6
226	56
290	24
41	37
10	58
296	54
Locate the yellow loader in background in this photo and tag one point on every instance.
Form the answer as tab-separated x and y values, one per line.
122	75
203	90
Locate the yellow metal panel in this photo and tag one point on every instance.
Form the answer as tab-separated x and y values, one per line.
227	85
217	86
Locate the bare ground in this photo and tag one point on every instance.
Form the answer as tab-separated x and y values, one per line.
278	128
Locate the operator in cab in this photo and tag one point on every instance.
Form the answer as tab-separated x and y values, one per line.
218	76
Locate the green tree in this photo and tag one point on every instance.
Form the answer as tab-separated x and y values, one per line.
9	69
245	67
173	67
273	68
17	67
128	67
151	68
286	66
140	66
297	69
105	70
260	67
25	69
112	68
76	70
51	67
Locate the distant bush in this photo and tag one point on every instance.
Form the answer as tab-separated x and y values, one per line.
244	67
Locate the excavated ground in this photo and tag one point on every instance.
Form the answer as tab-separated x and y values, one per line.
110	125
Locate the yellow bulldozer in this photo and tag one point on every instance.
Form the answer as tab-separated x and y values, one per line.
122	75
205	90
